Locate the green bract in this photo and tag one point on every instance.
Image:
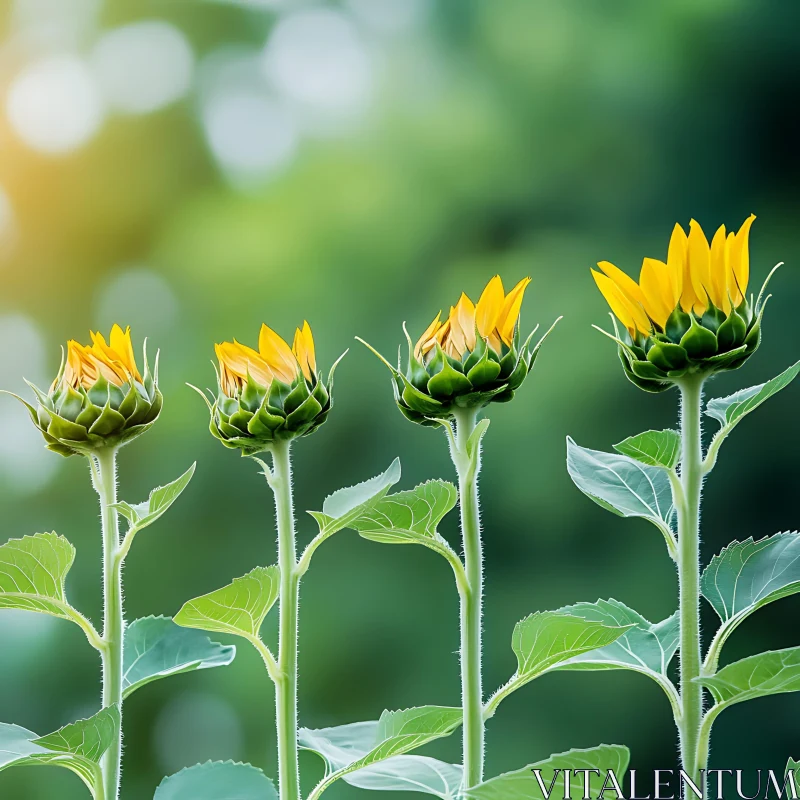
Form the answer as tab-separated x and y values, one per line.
691	343
79	421
433	388
260	415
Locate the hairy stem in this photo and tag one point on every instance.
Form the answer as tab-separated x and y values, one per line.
471	595
113	615
689	579
286	683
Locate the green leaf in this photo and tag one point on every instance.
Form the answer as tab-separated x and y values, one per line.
396	733
347	744
88	738
410	774
546	639
77	747
161	498
774	672
345	505
155	647
729	410
792	766
654	448
622	485
33	571
748	575
410	517
217	781
239	608
644	647
523	784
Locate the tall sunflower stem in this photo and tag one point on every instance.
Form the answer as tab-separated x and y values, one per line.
105	480
286	678
694	746
471	597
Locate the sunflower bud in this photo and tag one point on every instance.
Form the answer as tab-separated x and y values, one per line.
469	360
688	315
99	398
274	393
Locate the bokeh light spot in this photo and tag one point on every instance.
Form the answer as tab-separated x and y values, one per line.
318	61
138	297
249	134
143	67
54	104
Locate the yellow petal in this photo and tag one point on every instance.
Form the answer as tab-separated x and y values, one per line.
624	281
630	314
718	288
677	258
656	286
277	354
462	336
120	342
697	270
740	257
303	349
489	306
242	361
426	341
507	320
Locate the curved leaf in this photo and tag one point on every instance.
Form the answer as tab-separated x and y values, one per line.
546	639
748	575
728	411
161	498
644	647
155	647
239	608
622	485
655	448
348	748
222	780
774	672
33	573
523	784
77	747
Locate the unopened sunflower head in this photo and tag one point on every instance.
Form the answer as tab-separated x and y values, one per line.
270	394
688	314
471	358
99	398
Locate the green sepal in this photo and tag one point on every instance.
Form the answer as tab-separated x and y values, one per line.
732	332
419	402
484	372
60	428
252	395
305	413
699	342
241	419
646	370
70	404
278	392
713	318
668	356
447	382
108	422
678	323
297	396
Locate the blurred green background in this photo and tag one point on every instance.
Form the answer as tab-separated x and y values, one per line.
195	168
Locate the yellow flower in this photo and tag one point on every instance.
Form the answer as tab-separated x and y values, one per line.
494	319
114	361
695	275
273	360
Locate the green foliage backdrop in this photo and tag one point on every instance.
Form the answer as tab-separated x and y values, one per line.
511	136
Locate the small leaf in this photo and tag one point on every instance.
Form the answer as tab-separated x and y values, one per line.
546	639
348	748
217	781
155	647
774	672
476	438
239	608
523	784
644	647
410	774
409	517
654	448
161	498
88	738
748	575
33	571
729	410
622	485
